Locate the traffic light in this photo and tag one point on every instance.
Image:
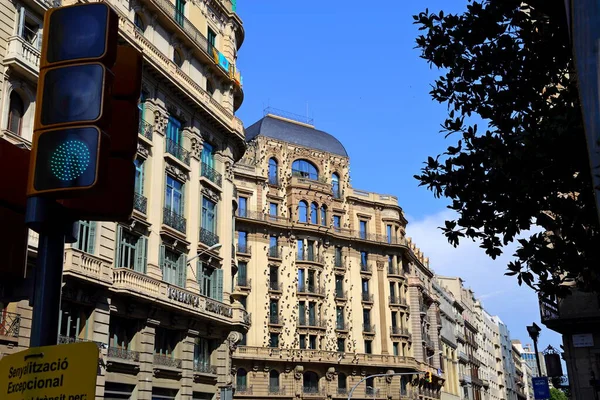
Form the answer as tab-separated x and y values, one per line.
428	377
70	146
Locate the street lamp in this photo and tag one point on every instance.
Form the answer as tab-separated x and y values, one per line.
378	375
436	354
211	248
534	334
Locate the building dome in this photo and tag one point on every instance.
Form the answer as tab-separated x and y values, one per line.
295	132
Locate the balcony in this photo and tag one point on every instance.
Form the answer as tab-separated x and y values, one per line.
243	390
274	181
365	269
145	129
211	174
341	295
140	203
394	271
243	248
244	282
461	337
275	286
277	390
174	220
208	238
397	300
275	320
312	322
311	289
178	152
368	328
399	331
274	252
86	266
342	326
23	56
167	361
311	257
366	297
463	356
372	392
313	391
203	367
129	356
338	263
10	324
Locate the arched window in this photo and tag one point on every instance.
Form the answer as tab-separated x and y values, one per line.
210	87
241	379
139	22
273	381
370	383
335	185
303	211
342	384
310	382
305	169
177	58
273	172
16	111
324	215
314	213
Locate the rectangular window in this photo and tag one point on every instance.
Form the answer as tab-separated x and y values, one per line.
273	209
274	309
210	281
212	37
87	237
364	258
179	11
312	342
394	319
243	242
338	256
388	229
302	313
365	286
165	341
341	345
302	341
173	265
312	314
131	251
274	277
242	276
300	254
174	196
72	323
363	229
339	312
208	155
301	280
173	134
367	316
393	291
139	176
203	349
337	222
368	346
209	215
311	250
274	339
311	281
339	286
243	207
396	348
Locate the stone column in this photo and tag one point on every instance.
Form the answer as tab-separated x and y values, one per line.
383	308
146	374
187	364
414	300
100	334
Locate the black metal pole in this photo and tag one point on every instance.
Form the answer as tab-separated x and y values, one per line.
537	356
47	290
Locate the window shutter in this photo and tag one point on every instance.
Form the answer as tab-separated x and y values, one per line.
91	237
141	249
117	262
161	260
76	245
218	294
182	269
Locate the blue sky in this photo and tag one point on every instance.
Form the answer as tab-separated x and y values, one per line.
353	65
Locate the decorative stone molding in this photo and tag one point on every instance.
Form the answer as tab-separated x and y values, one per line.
298	372
160	122
233	339
330	374
143	150
211	194
229	171
196	143
176	172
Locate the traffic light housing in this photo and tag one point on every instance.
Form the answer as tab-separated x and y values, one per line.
70	146
428	377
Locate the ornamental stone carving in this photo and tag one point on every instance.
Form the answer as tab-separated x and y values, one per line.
229	171
196	147
211	194
233	339
160	122
143	150
330	374
176	172
298	372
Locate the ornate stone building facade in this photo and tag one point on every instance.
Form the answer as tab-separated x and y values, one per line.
335	289
166	326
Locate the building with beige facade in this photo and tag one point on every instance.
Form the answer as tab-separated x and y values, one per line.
165	326
520	373
335	289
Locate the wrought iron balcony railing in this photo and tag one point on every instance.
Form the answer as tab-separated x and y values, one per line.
398	330
307	256
341	326
145	129
167	361
312	289
174	220
204	367
140	202
312	322
124	354
211	174
208	238
274	180
243	390
275	286
243	281
179	152
368	328
274	252
340	295
10	323
274	319
365	268
244	248
311	390
371	392
277	390
310	177
342	391
366	297
394	271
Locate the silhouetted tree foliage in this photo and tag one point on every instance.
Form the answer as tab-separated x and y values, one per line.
511	64
556	394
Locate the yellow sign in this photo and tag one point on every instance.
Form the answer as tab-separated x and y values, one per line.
63	372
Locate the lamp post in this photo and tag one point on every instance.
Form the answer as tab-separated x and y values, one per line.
534	334
211	248
379	375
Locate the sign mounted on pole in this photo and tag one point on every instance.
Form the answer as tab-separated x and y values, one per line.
63	372
541	389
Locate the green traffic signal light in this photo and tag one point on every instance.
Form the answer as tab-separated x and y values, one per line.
67	158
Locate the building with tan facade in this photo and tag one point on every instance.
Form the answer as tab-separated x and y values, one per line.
335	289
165	325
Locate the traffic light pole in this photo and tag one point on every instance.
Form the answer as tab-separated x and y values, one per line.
50	220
